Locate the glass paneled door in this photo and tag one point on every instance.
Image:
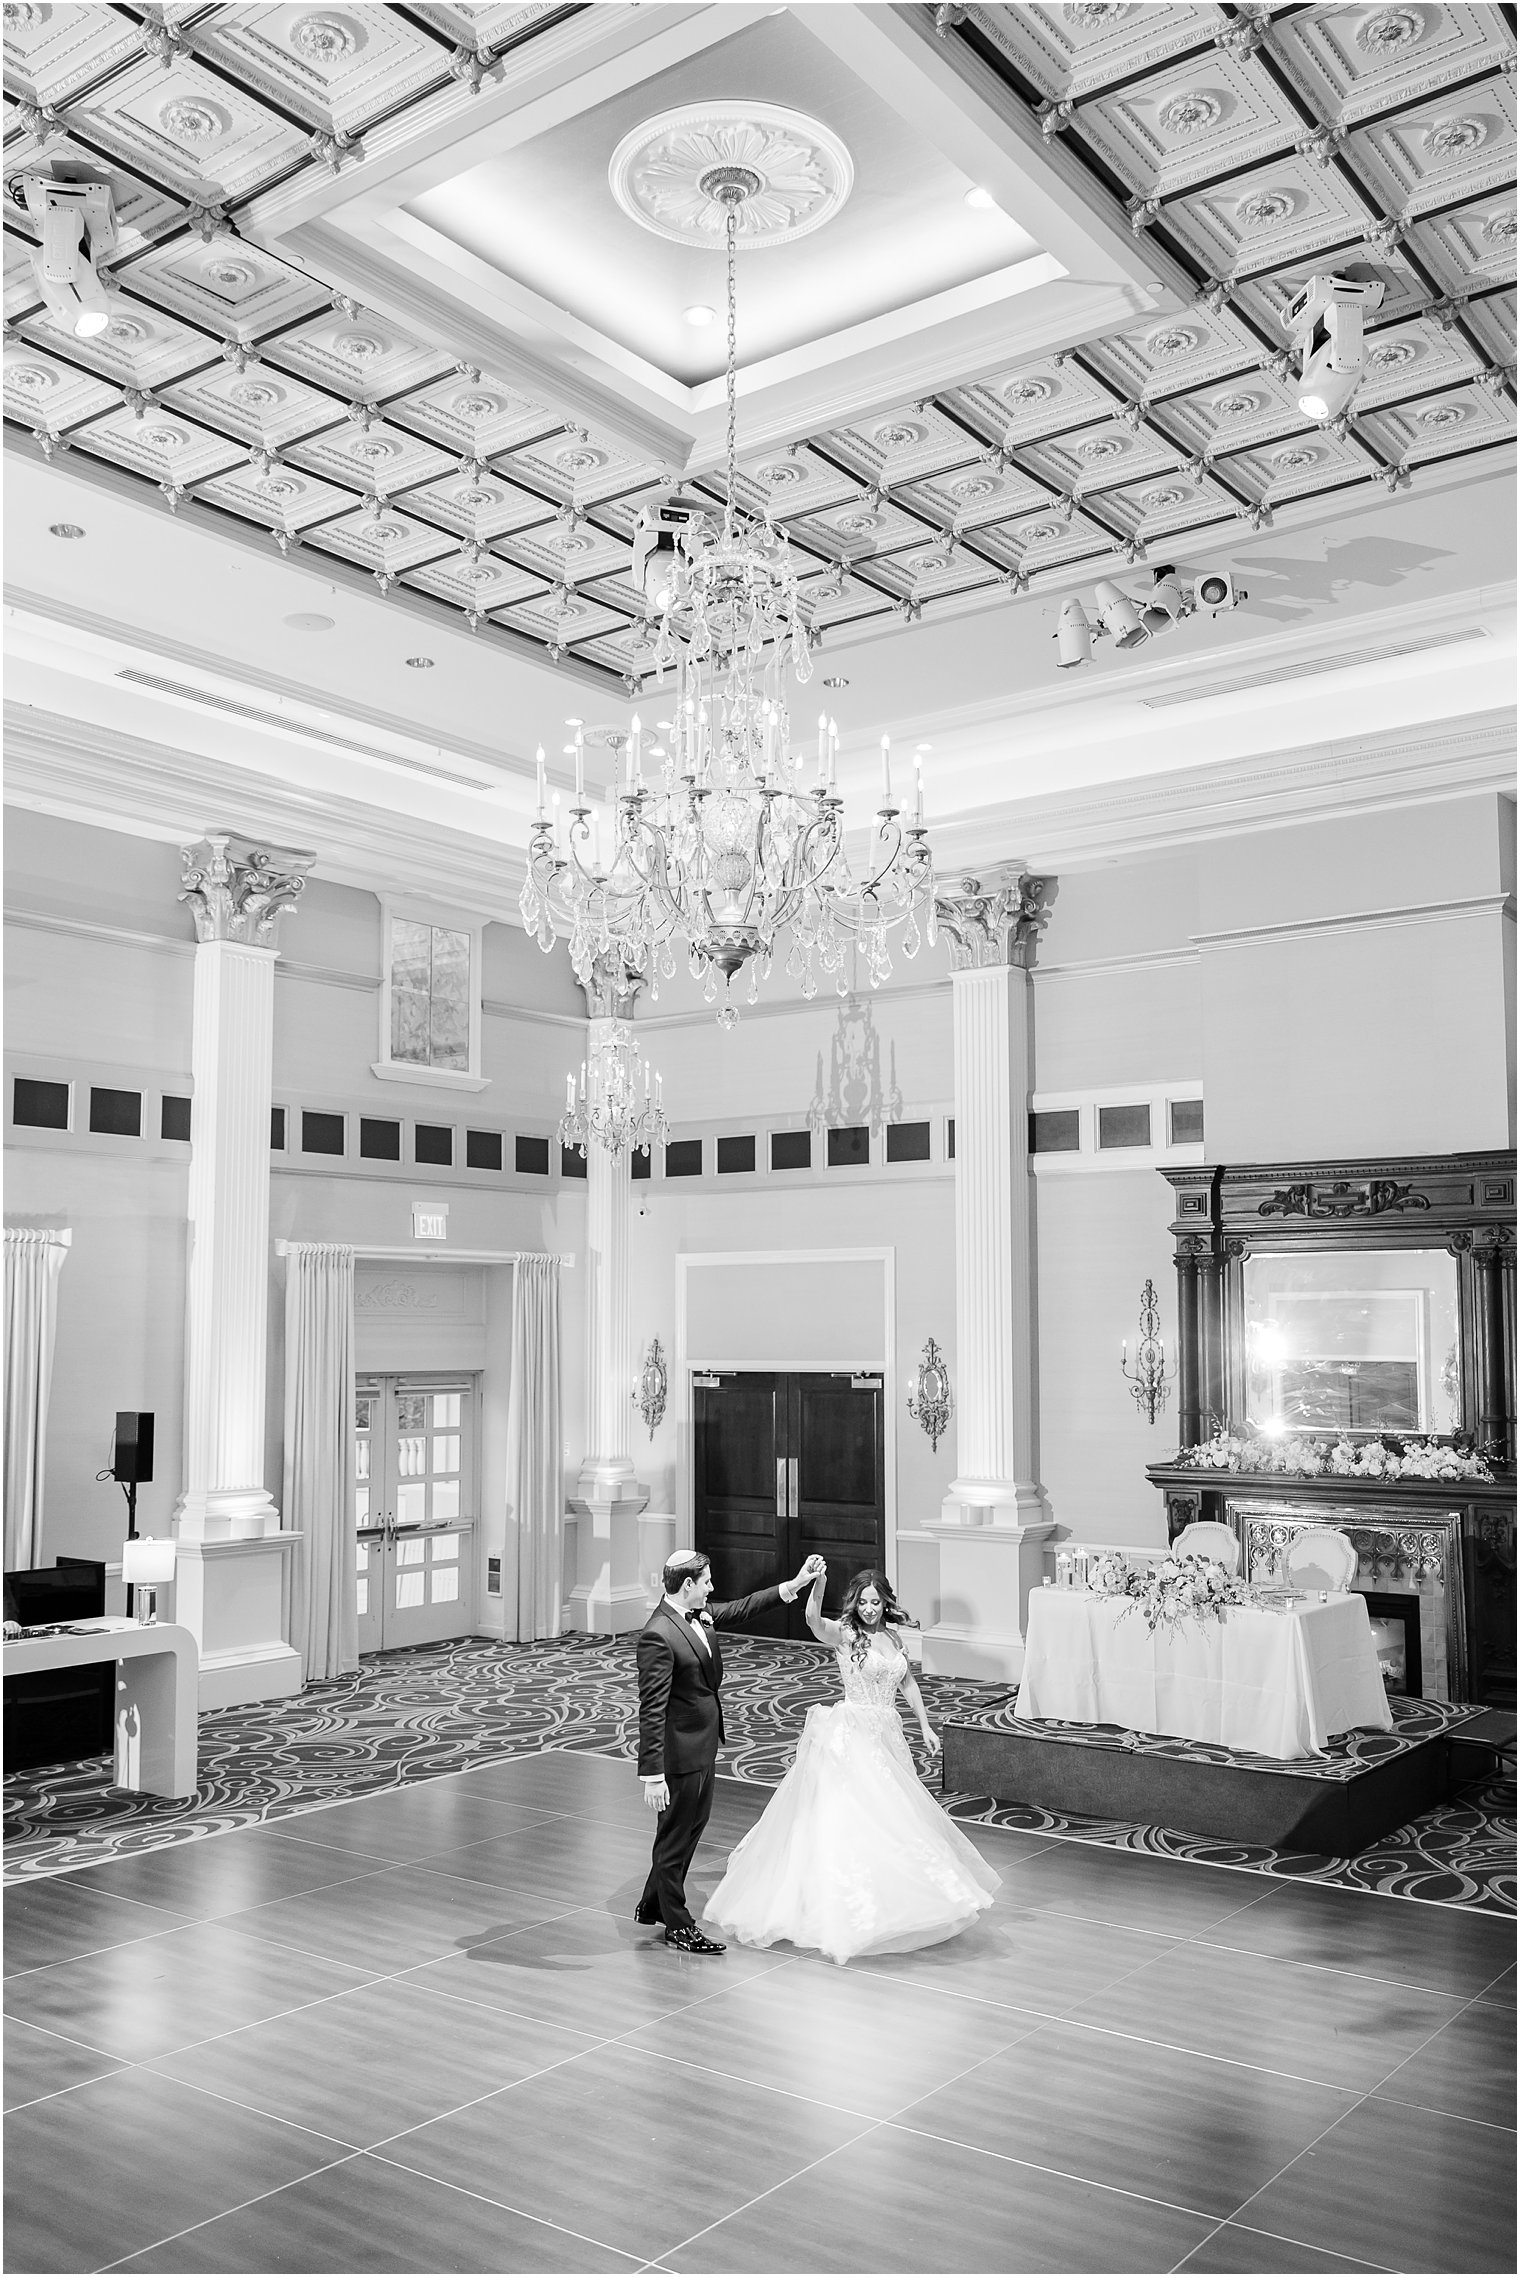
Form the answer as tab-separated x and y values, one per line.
414	1509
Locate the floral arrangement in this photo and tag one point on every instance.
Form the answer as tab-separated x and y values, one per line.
1171	1590
1299	1457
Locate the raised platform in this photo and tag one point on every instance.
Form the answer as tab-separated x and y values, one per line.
1334	1805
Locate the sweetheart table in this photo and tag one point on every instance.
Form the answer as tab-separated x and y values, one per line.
1275	1683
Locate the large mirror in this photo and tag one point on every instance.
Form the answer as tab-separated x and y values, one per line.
1353	1340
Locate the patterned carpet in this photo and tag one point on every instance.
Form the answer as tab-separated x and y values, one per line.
415	1715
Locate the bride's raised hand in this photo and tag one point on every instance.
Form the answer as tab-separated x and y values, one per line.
931	1740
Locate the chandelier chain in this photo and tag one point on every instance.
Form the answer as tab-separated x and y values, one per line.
731	226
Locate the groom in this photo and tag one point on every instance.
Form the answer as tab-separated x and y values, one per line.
681	1728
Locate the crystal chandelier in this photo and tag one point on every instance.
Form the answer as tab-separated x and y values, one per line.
726	838
617	1102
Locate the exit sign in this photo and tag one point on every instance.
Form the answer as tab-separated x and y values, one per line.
430	1225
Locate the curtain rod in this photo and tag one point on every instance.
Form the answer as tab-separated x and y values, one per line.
59	1236
436	1256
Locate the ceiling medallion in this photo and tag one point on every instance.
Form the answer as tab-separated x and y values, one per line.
1443	415
374	447
280	486
257	395
363	347
1452	138
1236	406
1499	228
1041	533
188	119
1264	207
1160	501
793	174
901	437
1185	114
1296	458
1102	447
1388	355
580	458
859	525
974	486
232	276
477	498
1177	340
31	379
25	16
164	438
1093	15
1028	391
125	331
1389	30
476	406
482	573
326	39
387	532
784	471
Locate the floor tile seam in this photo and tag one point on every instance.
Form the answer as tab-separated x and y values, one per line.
376	1976
1419	2049
1306	2151
248	2110
764	2087
94	1952
1208	2055
1331	1969
248	2024
67	2039
1040	2166
501	2205
241	2207
1381	2094
116	2064
784	2183
1279	2237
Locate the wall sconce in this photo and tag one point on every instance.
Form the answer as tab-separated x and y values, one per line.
651	1387
1149	1381
148	1565
931	1403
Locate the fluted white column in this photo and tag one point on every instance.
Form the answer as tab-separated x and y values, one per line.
233	1574
608	1596
994	1518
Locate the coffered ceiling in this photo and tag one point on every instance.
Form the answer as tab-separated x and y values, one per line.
375	296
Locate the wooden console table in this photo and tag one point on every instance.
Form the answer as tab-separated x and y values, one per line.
157	1677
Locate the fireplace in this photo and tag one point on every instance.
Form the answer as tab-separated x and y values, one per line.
1409	1567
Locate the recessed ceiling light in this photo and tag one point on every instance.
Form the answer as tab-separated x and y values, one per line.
307	620
419	664
838	681
980	199
700	315
65	530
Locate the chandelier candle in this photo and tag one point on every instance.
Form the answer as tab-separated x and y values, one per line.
726	852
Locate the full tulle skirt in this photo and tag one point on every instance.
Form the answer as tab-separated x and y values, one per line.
851	1855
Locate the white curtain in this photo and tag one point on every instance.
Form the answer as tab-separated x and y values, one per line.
33	1261
318	1501
535	1479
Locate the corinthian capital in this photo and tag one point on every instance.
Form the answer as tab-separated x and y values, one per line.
239	891
992	925
611	990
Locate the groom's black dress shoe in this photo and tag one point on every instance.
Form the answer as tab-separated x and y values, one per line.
693	1941
646	1916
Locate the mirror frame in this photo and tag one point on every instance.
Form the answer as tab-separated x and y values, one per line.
1464	1204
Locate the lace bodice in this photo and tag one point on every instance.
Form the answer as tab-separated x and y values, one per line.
873	1682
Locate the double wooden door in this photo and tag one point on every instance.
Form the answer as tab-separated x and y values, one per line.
414	1510
787	1465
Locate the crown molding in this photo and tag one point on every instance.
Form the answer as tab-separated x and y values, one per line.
1363	921
1263	791
93	774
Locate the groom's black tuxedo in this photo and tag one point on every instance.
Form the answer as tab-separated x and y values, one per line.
680	1732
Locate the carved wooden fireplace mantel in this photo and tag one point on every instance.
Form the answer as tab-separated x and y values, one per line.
1305	1289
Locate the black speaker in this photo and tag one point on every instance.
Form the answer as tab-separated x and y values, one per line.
132	1460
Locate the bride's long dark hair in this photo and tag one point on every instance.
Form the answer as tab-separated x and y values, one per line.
893	1615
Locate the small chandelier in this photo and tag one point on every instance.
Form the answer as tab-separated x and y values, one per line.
618	1101
727	839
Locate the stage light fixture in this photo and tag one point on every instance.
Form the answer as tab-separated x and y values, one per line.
77	226
1073	635
1121	619
1324	321
654	545
1216	589
1165	603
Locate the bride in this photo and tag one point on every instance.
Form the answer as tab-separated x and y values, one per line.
851	1855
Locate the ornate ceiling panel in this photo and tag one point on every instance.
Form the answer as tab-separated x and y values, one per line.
1254	144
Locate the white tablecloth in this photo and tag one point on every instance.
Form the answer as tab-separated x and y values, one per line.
1264	1683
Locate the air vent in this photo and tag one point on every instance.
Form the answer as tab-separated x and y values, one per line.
212	703
1347	661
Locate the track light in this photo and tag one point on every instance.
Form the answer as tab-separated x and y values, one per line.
1216	589
1073	635
77	227
1324	321
1121	619
1164	603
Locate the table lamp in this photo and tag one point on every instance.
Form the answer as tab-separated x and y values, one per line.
147	1564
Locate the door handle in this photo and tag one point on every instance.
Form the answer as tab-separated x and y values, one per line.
781	1502
791	1509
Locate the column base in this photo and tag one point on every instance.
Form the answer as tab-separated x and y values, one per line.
226	1514
995	1502
986	1571
608	1596
234	1598
980	1654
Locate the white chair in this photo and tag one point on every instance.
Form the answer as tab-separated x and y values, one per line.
1321	1557
1206	1538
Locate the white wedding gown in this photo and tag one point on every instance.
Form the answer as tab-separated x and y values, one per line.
851	1855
